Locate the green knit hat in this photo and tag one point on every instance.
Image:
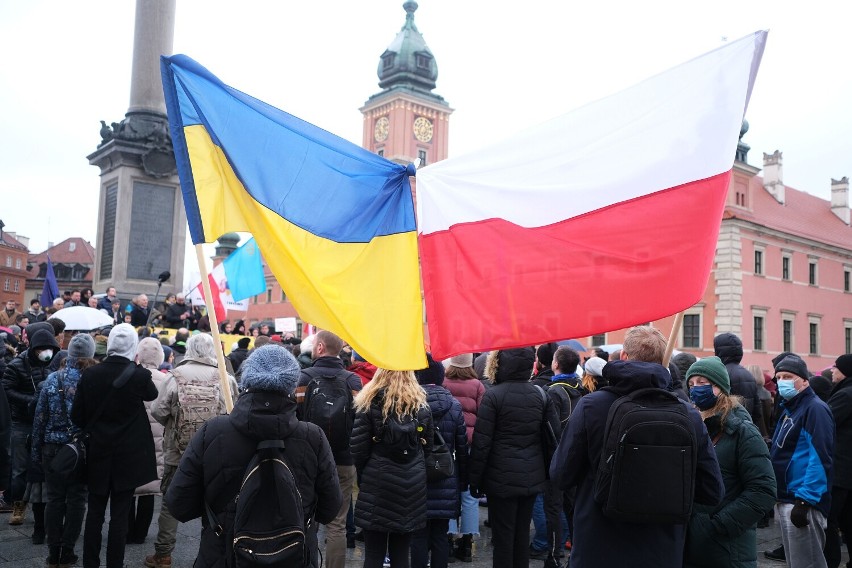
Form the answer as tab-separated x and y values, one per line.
713	370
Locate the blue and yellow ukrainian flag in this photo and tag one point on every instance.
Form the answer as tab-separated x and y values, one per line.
334	222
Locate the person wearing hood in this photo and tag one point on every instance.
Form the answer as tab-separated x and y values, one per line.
120	454
597	539
21	380
729	348
442	495
507	460
52	427
213	464
802	456
726	535
198	368
840	513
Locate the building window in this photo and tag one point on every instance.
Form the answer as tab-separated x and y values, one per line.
422	155
254	299
72	246
847	338
785	267
423	61
813	341
598	340
692	331
812	273
7	285
9	261
381	152
758	333
787	335
387	61
18	263
269	296
283	296
17	285
758	262
846	288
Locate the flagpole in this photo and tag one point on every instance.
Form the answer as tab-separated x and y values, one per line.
678	322
214	327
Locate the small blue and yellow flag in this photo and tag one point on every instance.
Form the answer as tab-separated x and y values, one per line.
334	222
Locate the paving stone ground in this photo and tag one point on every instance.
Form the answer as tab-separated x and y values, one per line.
17	550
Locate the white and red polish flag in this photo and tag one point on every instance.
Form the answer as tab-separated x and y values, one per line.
600	219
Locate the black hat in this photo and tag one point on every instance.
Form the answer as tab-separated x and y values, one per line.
433	374
243	343
793	364
844	364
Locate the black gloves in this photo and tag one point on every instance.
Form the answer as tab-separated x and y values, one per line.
474	492
799	514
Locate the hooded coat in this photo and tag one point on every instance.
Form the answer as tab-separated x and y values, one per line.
506	457
214	464
443	495
598	540
726	535
25	373
729	348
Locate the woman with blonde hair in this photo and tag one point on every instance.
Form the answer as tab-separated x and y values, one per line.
389	444
725	534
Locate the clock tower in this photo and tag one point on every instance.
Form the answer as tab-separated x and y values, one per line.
406	122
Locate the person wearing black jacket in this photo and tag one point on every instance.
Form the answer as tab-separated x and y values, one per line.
21	379
212	467
507	460
599	540
729	348
840	514
328	366
120	454
238	355
177	315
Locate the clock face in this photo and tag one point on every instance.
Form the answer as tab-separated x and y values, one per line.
381	130
423	129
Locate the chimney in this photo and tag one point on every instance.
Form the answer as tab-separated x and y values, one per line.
24	241
773	175
840	198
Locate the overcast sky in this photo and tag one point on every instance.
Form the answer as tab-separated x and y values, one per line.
503	66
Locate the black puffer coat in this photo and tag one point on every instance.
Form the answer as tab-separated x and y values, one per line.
506	458
213	466
443	496
24	373
840	403
392	495
729	348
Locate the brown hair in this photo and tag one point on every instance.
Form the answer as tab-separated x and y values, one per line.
644	343
333	344
725	403
589	382
461	373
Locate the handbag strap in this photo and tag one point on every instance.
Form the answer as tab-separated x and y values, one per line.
119	382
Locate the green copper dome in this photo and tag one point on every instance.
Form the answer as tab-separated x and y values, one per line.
407	62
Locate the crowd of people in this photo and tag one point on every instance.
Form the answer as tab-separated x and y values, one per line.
534	433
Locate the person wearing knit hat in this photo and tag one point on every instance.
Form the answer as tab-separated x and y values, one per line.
459	361
840	513
803	458
82	345
749	479
266	410
432	374
121	454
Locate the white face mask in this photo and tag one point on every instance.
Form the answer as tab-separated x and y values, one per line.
45	355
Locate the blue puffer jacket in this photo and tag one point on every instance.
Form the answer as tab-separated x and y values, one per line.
442	496
802	450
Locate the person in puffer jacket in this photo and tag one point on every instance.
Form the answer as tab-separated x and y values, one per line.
443	495
802	457
213	465
507	461
729	348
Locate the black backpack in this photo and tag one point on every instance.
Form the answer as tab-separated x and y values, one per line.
647	468
270	527
400	438
328	404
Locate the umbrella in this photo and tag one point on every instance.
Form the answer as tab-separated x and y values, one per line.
573	344
82	318
616	346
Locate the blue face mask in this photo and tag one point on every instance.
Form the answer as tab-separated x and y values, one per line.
787	389
703	397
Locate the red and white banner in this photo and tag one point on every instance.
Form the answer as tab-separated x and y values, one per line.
222	299
600	219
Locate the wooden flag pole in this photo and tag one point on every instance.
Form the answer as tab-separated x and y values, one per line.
214	327
678	322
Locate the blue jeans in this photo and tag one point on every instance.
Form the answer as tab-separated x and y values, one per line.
539	521
20	461
469	516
